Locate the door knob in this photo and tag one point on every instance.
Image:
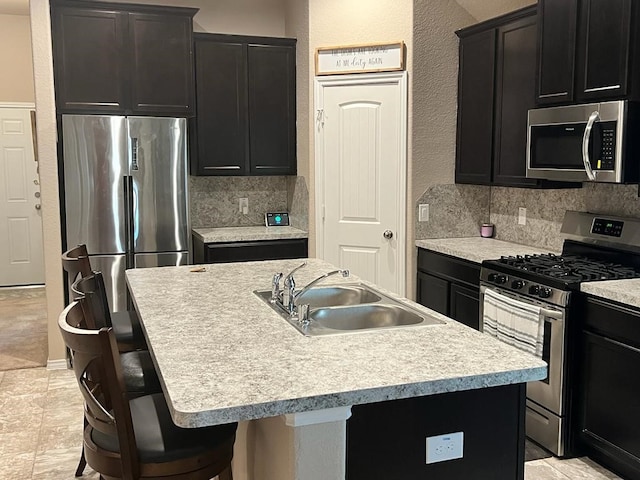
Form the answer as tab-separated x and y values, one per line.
388	234
38	206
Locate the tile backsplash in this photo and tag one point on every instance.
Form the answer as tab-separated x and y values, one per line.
458	210
214	200
454	211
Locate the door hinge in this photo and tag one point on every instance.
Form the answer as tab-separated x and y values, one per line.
320	117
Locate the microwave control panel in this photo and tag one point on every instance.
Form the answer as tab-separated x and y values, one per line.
607	148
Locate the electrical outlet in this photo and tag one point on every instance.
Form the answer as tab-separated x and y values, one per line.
445	447
423	212
522	216
243	205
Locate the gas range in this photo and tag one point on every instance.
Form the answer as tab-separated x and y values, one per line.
597	249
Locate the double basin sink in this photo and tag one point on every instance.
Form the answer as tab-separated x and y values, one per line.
350	308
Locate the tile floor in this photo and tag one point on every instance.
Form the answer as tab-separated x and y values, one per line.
41	432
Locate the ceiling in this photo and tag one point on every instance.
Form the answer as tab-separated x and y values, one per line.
14	7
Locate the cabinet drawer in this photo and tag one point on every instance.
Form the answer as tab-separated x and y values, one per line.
252	251
614	321
448	267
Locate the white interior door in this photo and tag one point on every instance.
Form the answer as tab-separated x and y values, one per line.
361	144
21	254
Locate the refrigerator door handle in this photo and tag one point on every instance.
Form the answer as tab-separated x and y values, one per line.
128	218
134	154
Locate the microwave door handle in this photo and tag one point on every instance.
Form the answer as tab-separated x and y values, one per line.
585	146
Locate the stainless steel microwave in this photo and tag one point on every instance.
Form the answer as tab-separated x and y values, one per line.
595	142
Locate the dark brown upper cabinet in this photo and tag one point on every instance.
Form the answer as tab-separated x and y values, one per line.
496	88
557	23
588	51
246	106
122	58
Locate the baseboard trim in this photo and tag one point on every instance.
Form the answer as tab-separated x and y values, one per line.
61	364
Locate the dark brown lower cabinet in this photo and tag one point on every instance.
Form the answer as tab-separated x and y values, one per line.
433	292
249	251
450	286
387	440
464	305
609	388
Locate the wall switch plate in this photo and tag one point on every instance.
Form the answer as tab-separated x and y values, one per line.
522	216
445	447
243	205
423	212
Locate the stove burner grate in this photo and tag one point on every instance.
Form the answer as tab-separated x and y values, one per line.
570	268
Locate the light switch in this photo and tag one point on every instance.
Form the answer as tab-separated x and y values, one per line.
423	212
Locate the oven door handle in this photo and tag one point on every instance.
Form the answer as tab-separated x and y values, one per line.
585	146
551	314
545	312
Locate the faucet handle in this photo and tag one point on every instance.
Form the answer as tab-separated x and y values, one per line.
275	287
344	273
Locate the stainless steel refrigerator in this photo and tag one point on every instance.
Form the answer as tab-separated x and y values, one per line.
126	197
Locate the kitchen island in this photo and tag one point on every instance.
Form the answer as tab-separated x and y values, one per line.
223	355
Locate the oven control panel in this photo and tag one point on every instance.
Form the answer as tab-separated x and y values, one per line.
526	288
610	228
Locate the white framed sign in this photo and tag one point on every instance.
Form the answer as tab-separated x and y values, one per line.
369	58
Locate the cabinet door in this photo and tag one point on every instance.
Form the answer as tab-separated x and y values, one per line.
475	108
464	305
272	109
609	423
88	48
161	64
557	23
222	128
604	49
433	292
515	95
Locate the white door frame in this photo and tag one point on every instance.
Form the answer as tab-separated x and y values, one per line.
399	78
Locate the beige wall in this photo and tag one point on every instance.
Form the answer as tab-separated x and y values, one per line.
16	62
48	165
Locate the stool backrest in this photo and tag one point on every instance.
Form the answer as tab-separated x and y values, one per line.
76	262
95	305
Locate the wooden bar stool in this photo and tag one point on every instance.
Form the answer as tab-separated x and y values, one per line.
136	438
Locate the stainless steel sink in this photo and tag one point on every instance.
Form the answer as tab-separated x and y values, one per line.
362	317
350	308
334	296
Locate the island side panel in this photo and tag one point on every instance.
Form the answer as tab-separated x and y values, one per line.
394	434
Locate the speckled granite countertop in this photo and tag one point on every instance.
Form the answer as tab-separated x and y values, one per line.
247	234
224	355
623	291
477	249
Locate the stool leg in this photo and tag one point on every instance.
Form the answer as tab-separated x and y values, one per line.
81	464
